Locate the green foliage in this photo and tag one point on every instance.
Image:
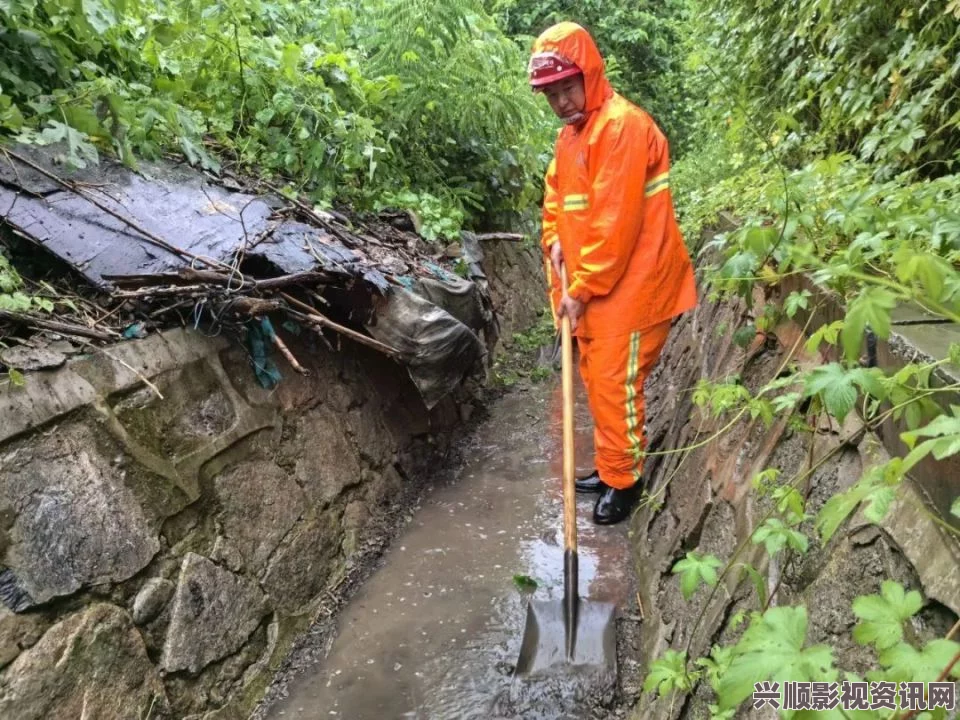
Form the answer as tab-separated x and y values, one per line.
775	535
720	397
773	648
765	480
790	504
525	583
877	488
870	308
436	220
827	149
944	434
877	79
824	333
759	584
13	297
716	664
797	301
643	45
745	335
540	374
725	397
695	568
882	616
541	334
905	663
837	386
343	100
669	673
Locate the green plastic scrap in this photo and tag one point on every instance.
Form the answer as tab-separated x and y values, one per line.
291	327
260	334
136	330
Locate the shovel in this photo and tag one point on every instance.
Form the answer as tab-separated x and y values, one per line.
572	632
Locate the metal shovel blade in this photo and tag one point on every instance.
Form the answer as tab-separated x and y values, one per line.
550	640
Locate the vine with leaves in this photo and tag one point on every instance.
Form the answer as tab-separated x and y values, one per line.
836	126
406	103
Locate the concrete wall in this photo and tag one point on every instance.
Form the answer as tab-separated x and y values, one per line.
707	504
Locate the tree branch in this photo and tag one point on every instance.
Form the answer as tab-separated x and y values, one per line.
60	327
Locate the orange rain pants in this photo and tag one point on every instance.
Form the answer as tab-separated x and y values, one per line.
608	203
614	370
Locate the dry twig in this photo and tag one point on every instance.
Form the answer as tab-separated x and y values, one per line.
282	347
315	316
59	327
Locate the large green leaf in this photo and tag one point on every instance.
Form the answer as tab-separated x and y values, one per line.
835	385
904	663
796	301
776	536
882	616
877	487
944	434
871	307
695	568
772	648
669	673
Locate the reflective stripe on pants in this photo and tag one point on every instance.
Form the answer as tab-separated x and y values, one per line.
614	370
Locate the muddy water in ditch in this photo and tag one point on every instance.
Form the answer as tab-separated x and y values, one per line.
433	635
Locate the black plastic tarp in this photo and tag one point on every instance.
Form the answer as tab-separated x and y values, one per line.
434	325
438	349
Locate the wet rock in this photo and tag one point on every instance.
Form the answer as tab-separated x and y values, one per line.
17	632
355	516
326	461
260	503
392	480
510	268
91	665
381	489
226	555
341	397
262	666
150	600
214	612
213	687
200	539
374	440
179	526
78	522
933	555
194	410
32	358
302	564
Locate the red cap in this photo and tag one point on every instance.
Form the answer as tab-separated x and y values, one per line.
548	67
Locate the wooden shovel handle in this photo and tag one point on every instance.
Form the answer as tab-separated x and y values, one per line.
569	463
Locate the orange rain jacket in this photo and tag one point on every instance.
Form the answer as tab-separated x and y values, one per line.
608	203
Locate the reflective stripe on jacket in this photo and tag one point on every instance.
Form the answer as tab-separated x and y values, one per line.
608	203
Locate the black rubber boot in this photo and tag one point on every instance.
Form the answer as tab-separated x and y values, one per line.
590	484
614	505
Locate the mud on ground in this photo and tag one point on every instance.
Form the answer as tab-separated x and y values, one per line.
312	651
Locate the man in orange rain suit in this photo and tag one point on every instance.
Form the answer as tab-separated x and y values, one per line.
608	215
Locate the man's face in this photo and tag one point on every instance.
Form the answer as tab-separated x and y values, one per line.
567	98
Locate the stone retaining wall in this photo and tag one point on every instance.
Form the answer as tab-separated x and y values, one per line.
160	555
707	505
